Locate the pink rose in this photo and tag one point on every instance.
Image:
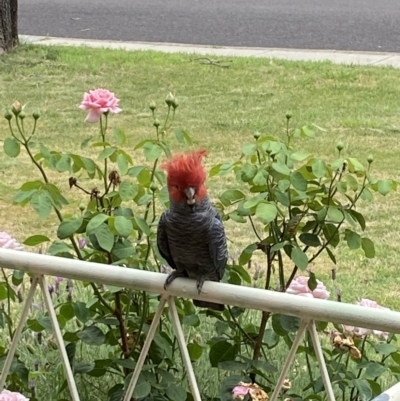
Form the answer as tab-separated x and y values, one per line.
6	395
361	332
239	392
299	286
8	242
99	101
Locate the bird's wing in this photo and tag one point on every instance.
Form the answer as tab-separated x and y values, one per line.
162	241
218	247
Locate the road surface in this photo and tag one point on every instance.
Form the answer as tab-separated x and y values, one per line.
363	25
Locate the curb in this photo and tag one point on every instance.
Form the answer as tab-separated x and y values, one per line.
338	57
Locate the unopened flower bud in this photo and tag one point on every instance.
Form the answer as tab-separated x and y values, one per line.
256	135
8	115
152	105
82	243
175	103
153	187
82	207
289	115
370	159
39	337
16	107
22	115
51	289
36	114
340	146
169	99
156	122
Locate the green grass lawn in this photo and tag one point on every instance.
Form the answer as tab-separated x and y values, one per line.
221	108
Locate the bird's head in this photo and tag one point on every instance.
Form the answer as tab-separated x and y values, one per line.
186	176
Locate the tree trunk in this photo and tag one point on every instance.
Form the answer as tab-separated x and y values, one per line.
8	25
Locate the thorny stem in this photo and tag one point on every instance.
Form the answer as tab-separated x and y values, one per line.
265	316
8	303
254	229
103	136
122	329
359	370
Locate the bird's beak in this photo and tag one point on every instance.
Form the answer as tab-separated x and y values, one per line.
190	193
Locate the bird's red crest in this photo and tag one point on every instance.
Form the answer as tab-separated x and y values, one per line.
184	171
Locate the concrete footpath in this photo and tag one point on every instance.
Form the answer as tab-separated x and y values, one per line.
339	57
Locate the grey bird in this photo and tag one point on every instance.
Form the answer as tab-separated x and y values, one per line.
191	235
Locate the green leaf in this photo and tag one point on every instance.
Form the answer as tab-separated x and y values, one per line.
310	239
353	239
318	168
36	240
123	226
195	351
359	217
12	148
299	156
259	179
231	196
143	226
352	182
67	311
17	277
64	163
81	311
248	172
69	227
307	131
384	187
299	258
249	148
106	153
312	282
152	151
368	248
281	168
95	222
221	351
364	389
182	136
92	335
331	234
298	181
104	237
331	255
142	390
127	190
175	393
41	202
122	164
385	349
247	253
355	165
191	320
335	215
266	212
366	195
290	323
58	247
233	366
119	136
374	370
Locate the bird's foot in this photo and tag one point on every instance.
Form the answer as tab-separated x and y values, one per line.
199	284
172	276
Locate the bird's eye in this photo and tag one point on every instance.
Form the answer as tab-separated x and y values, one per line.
176	187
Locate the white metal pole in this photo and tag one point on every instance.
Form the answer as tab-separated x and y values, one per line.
17	333
289	360
228	294
145	349
183	347
321	361
53	318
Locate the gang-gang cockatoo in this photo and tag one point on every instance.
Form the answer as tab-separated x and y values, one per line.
191	236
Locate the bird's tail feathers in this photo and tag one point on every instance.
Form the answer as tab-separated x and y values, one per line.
212	305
